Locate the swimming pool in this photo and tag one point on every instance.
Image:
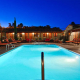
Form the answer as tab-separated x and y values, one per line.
24	63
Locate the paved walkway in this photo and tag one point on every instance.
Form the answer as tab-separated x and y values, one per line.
72	47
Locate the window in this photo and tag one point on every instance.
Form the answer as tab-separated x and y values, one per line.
55	34
44	35
69	34
35	34
20	34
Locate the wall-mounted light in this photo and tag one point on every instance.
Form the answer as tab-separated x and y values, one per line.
47	33
23	33
13	33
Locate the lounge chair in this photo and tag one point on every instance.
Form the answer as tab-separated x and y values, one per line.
47	40
7	45
15	40
77	41
59	41
56	40
69	41
74	40
3	44
10	42
28	40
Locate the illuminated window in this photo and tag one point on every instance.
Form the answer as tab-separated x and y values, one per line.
69	34
20	34
35	34
55	34
44	35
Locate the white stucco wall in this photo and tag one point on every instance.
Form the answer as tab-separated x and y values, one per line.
69	27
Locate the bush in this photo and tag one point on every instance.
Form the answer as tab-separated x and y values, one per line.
51	40
36	39
40	38
44	38
10	40
17	38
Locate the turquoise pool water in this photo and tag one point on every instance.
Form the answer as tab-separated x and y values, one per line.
24	63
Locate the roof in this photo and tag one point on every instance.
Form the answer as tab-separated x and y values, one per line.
69	25
74	30
37	29
76	26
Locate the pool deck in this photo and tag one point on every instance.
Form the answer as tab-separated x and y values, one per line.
72	47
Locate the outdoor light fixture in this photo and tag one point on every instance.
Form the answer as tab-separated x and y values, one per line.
33	33
47	33
13	33
23	33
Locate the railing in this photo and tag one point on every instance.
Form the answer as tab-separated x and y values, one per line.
7	46
42	64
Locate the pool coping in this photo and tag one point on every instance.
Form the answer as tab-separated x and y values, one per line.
40	44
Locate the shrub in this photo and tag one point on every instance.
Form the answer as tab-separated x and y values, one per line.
40	38
10	40
51	40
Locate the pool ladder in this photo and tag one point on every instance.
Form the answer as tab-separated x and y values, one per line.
7	46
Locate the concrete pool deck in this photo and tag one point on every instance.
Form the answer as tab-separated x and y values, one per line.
72	47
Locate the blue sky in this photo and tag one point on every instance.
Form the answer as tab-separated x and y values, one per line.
56	13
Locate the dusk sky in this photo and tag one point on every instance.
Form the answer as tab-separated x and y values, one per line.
56	13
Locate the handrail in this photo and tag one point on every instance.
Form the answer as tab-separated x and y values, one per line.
7	46
42	64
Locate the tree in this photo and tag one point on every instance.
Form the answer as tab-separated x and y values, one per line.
24	26
15	29
12	24
21	25
9	25
72	23
47	26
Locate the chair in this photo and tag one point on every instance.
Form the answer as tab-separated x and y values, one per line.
47	40
69	41
15	40
56	40
10	42
28	40
3	44
7	45
75	39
